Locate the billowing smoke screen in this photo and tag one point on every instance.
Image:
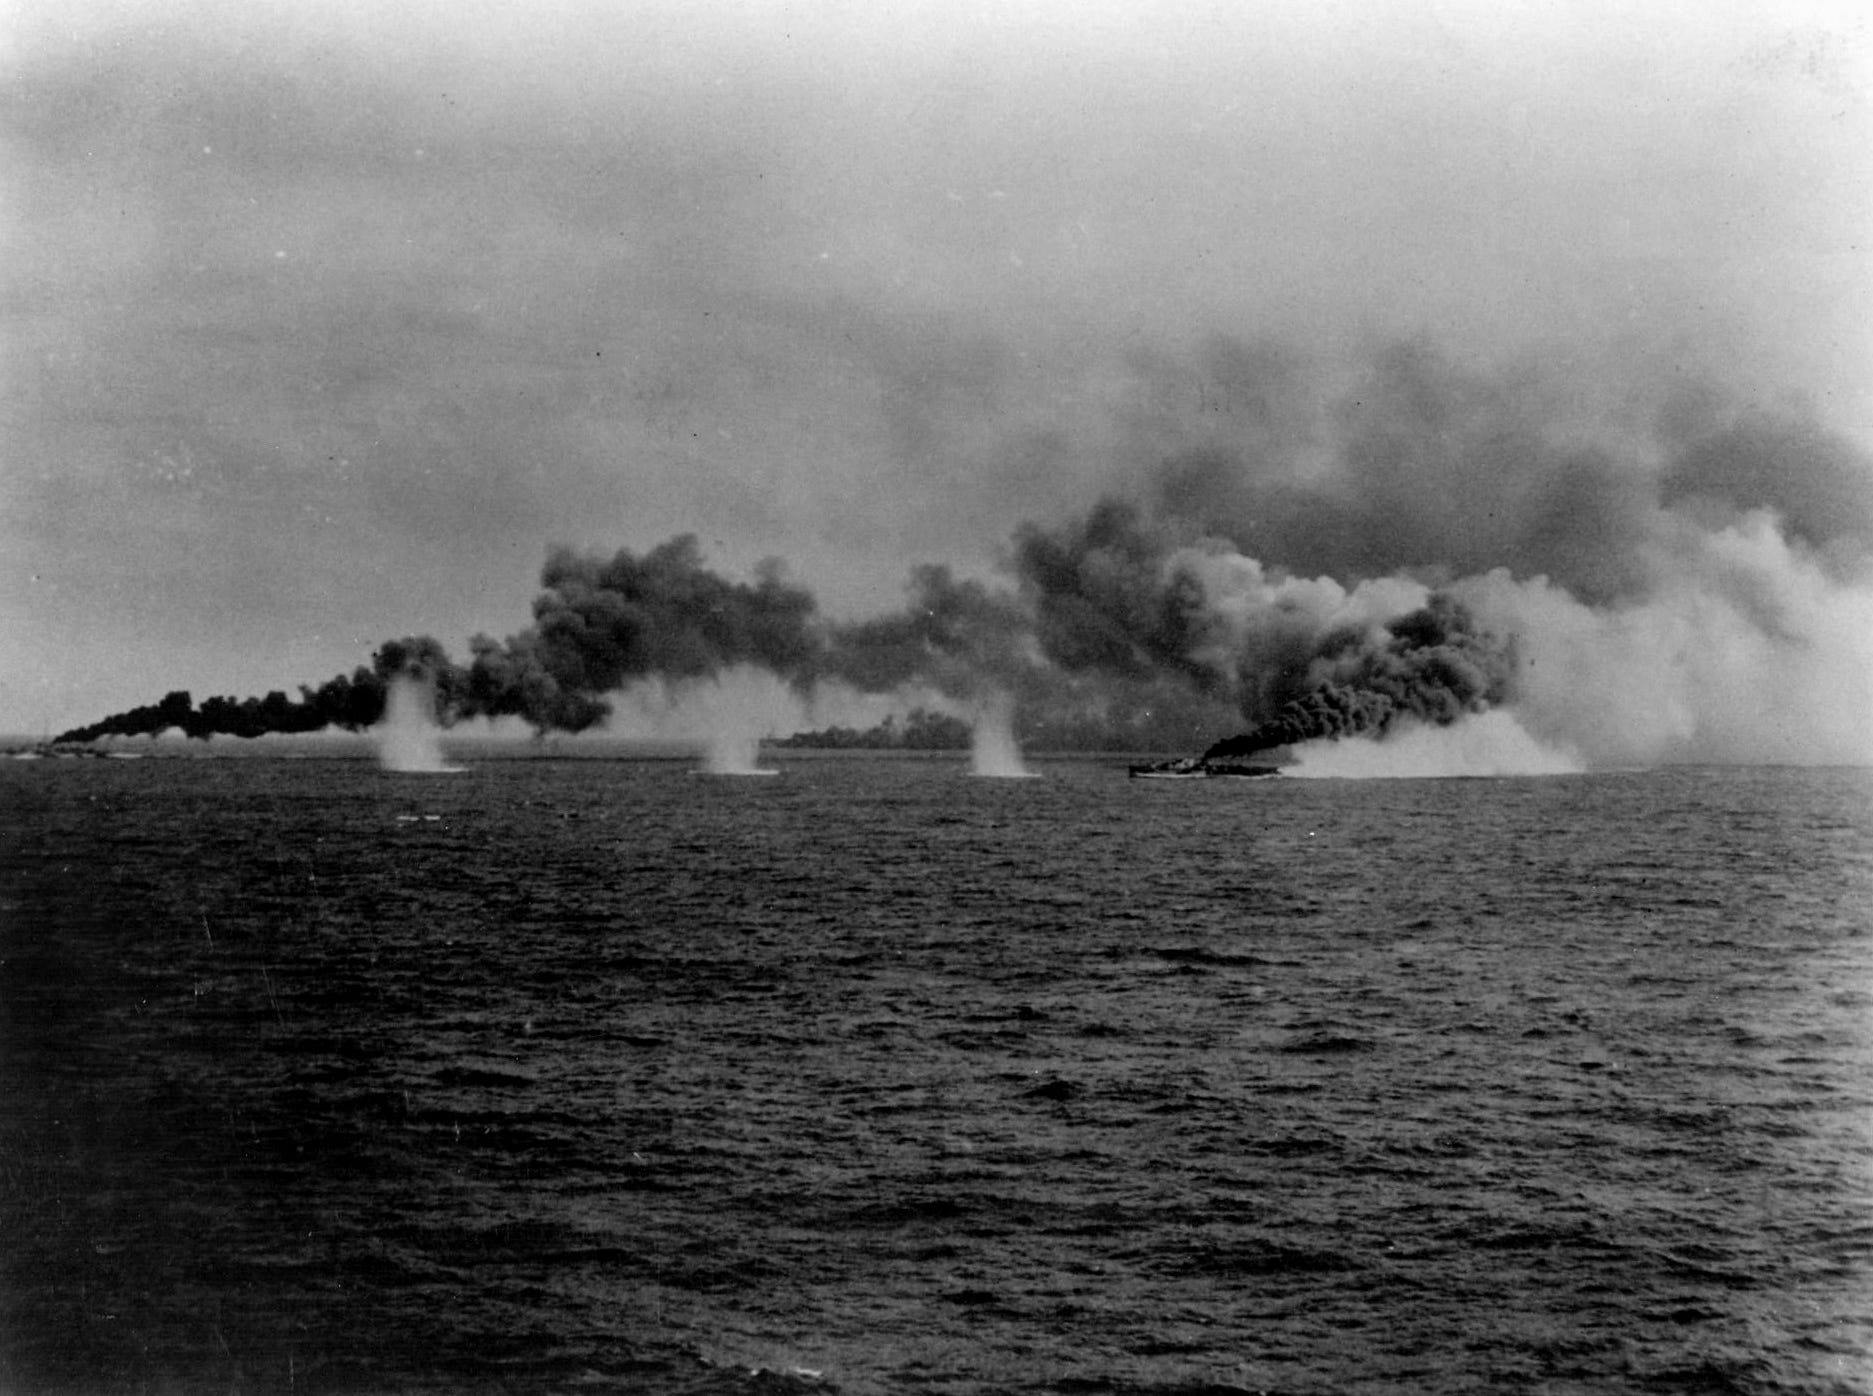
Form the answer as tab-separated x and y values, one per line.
1432	548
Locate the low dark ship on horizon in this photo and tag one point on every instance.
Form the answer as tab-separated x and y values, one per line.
1233	757
1196	768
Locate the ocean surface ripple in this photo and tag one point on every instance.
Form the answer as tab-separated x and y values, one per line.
575	1075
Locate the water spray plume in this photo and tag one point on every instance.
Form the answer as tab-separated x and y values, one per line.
731	713
993	750
409	740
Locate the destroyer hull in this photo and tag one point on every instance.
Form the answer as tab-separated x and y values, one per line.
1201	770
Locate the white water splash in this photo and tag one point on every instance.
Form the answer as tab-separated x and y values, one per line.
732	712
993	749
727	715
408	739
734	753
1488	744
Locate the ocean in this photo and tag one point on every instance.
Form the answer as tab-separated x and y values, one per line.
594	1075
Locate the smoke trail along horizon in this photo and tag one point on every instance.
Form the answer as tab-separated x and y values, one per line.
1737	555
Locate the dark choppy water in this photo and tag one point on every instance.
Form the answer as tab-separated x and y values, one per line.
596	1075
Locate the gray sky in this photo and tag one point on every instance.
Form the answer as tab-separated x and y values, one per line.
324	321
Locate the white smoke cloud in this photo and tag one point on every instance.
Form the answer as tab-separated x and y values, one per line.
1745	651
1247	600
1489	744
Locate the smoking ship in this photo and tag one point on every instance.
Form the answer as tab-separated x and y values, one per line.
1196	768
1213	765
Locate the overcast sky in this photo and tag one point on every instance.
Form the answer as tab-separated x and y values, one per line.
323	321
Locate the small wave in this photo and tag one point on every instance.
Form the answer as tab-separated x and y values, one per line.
642	1040
1683	1315
723	1380
391	1268
1706	1378
1327	1044
1291	1146
1267	1258
1053	1090
1539	1238
1199	955
973	1298
909	1211
709	1276
1107	1386
479	1076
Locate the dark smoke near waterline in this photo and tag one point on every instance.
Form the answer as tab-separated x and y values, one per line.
1433	666
352	702
1090	627
598	624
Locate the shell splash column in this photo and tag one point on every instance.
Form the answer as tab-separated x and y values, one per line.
993	749
409	739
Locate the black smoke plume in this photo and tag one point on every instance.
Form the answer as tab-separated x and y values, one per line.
1115	612
1434	666
1112	593
598	624
956	635
601	623
1104	600
352	701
